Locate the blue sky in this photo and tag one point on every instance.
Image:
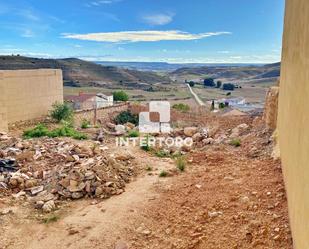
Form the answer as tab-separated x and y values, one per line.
175	31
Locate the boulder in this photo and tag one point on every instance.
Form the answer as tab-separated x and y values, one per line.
120	129
197	137
208	141
190	131
110	125
129	126
49	206
124	155
239	130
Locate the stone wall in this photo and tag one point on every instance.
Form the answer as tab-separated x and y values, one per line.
28	94
293	117
103	115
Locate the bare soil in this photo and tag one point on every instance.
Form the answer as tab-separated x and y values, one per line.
226	198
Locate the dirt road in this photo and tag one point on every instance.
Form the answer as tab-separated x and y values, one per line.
197	98
89	225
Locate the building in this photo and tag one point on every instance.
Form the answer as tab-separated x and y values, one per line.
28	94
85	101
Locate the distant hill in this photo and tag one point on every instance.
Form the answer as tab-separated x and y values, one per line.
78	72
229	73
163	66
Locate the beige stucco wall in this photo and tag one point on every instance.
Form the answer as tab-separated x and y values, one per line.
293	117
27	94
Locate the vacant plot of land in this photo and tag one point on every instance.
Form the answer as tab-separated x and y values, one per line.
252	93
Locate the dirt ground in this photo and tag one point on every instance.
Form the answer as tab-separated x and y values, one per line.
227	197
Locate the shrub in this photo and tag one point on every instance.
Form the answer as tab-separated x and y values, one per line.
221	105
125	117
235	142
66	131
149	168
181	107
146	146
49	219
163	173
39	131
85	124
181	163
162	153
120	96
63	131
61	112
133	133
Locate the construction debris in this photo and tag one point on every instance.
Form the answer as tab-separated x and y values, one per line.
52	170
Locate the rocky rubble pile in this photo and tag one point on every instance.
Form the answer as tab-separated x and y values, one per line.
202	136
46	170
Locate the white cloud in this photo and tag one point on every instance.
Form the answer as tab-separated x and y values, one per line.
28	33
158	19
29	14
101	2
224	52
142	36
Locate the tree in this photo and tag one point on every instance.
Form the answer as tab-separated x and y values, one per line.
120	96
219	84
212	105
228	87
191	83
209	82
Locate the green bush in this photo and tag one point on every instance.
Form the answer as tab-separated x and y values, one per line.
61	112
63	131
181	163
181	107
133	133
162	153
146	147
235	142
85	124
221	105
39	131
66	131
125	117
120	96
163	173
148	168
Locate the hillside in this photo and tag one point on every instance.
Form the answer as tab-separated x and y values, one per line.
229	73
77	72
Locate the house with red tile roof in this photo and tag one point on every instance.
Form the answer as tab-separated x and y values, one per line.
85	101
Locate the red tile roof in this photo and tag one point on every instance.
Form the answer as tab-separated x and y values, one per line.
79	98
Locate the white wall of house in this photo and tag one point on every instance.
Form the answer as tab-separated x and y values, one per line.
104	102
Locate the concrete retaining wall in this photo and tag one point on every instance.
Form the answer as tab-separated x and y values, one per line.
293	117
28	94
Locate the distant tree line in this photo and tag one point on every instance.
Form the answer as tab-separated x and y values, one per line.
210	82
